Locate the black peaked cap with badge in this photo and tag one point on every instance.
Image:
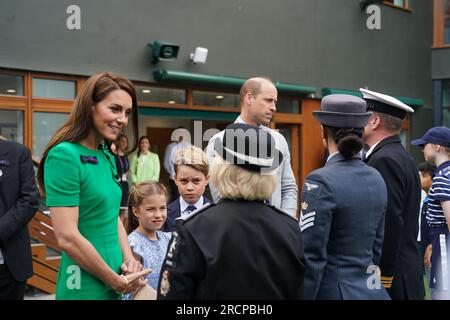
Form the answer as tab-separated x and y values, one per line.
249	147
383	103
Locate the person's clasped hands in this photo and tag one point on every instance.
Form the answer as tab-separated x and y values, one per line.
132	277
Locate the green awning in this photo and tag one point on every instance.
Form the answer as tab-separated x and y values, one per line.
188	114
177	77
413	102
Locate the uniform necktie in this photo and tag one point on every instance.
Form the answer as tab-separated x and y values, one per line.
190	208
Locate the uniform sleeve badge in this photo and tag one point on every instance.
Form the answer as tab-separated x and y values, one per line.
307	220
312	188
305	205
173	249
165	284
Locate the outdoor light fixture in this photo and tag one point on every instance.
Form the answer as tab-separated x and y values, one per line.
162	50
363	4
199	55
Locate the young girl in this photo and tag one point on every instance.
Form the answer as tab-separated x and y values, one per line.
147	214
145	164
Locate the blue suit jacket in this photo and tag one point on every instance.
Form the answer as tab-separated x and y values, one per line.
342	224
174	211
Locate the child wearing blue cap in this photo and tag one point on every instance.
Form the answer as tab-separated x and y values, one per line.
436	149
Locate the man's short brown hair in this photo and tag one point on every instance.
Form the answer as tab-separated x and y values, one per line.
253	86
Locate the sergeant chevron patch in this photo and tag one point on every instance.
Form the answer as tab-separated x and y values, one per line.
307	220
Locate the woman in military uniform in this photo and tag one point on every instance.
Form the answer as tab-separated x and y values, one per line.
240	248
78	175
342	210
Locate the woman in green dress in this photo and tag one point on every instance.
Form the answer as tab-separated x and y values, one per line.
78	176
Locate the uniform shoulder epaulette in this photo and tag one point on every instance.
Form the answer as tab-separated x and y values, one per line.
281	211
195	212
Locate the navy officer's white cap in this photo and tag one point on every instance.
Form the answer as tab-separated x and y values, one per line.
383	103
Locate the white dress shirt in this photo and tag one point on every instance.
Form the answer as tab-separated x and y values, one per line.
369	152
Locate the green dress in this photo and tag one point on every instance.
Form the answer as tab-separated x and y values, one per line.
76	176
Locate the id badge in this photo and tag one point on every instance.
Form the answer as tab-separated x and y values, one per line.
124	177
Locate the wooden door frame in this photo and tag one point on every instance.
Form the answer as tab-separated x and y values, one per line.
307	150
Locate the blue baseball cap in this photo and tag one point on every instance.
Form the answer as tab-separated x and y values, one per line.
436	135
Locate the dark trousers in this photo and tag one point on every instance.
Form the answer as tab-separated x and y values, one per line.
440	258
10	289
173	190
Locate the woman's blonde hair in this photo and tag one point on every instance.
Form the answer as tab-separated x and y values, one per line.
234	182
138	193
192	157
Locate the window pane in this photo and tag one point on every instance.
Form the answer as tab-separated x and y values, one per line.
285	105
400	3
57	89
446	117
218	99
12	85
163	95
404	138
45	125
446	103
11	125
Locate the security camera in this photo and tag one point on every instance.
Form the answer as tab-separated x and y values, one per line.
199	56
163	50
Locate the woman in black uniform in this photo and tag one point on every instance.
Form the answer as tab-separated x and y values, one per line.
240	248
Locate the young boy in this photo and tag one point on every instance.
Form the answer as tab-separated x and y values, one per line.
426	173
191	177
436	149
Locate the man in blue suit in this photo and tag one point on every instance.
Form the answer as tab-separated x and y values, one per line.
191	177
18	204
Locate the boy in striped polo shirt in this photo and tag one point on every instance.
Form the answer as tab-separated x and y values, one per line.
436	149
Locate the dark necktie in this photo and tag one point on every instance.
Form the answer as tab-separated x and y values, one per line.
190	208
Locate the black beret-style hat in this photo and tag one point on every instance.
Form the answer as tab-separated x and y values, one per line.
249	147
